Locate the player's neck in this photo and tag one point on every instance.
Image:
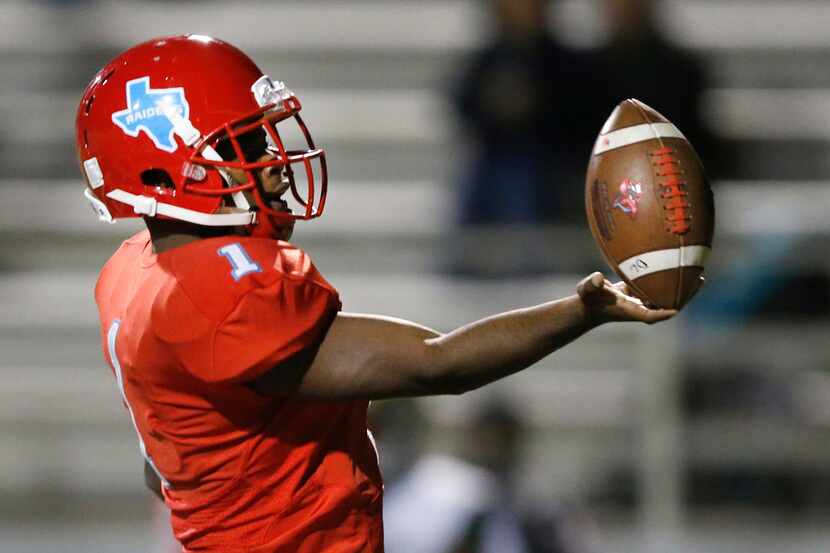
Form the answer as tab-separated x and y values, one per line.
168	234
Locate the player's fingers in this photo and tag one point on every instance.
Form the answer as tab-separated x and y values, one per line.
625	290
652	316
635	300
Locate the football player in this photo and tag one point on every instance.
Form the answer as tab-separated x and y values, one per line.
246	383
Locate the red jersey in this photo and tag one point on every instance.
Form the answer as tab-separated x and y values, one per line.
184	331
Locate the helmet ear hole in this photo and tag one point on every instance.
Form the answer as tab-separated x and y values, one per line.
157	178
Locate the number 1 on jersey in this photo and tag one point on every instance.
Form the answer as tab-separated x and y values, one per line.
241	262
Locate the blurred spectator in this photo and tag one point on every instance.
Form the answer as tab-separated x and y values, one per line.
400	429
522	100
465	503
639	61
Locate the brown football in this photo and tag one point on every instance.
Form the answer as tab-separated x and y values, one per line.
649	205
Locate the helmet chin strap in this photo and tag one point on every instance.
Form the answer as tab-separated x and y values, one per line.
149	206
238	198
146	205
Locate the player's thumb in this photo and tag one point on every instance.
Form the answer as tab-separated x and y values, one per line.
590	285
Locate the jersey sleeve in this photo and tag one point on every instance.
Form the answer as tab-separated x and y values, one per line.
269	325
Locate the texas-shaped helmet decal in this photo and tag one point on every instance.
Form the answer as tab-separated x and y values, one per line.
151	110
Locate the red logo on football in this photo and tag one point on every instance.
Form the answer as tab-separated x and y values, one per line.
628	198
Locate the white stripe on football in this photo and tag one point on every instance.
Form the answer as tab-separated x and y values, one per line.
632	135
663	260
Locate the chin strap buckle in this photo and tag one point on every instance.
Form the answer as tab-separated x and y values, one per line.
98	206
182	126
145	205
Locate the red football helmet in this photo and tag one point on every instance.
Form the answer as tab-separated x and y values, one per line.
152	124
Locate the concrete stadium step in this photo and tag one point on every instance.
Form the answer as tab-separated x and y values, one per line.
71	71
402	208
758	158
406	227
348	159
322	68
768	68
371	24
388	227
411	134
416	116
395	207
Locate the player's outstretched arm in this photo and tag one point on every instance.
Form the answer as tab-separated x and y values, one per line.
378	357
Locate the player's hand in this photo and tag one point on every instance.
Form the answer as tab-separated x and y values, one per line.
607	302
